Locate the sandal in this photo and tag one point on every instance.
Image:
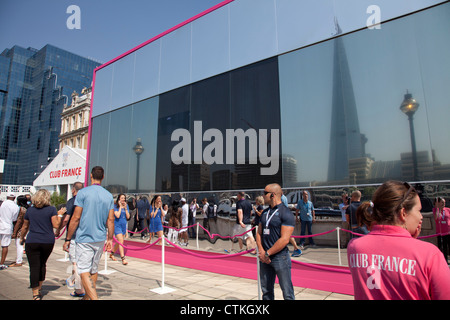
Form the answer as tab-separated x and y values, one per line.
124	262
111	256
37	297
77	295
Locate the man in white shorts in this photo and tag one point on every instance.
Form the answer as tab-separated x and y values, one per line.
184	222
243	223
93	221
8	214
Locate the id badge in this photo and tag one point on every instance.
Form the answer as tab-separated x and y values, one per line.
266	231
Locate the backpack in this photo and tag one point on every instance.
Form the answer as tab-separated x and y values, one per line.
212	210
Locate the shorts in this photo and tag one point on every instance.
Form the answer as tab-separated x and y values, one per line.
120	228
5	240
72	251
243	233
88	256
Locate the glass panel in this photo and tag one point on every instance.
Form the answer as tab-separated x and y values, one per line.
210	106
255	105
252	31
176	59
231	132
102	91
353	15
341	118
119	150
305	97
122	86
146	76
432	28
173	114
301	23
211	45
99	143
144	129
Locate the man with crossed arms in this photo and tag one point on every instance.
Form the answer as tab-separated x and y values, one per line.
274	231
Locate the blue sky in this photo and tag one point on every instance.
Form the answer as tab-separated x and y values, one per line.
108	27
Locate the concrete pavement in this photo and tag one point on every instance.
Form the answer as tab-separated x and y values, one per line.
136	280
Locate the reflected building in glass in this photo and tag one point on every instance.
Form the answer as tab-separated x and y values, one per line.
346	141
307	102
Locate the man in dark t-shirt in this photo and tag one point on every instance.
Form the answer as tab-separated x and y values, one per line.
274	231
143	207
243	226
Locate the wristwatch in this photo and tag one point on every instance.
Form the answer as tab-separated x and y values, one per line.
267	254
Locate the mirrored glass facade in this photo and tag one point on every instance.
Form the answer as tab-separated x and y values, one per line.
329	112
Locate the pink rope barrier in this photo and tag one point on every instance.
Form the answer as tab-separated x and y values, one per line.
225	237
61	233
221	256
184	250
133	232
135	248
434	235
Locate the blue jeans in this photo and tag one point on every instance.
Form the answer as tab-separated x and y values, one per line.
305	224
280	266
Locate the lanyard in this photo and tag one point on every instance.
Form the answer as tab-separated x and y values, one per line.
268	219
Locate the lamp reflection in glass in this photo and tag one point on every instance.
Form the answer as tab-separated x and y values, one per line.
138	149
409	106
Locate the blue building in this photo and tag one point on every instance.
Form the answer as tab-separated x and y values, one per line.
302	93
34	86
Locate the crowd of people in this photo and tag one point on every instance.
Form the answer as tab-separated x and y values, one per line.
385	258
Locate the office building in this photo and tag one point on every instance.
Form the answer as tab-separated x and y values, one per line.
35	85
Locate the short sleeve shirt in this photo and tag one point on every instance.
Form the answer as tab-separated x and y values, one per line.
246	208
142	207
8	214
306	209
41	227
273	219
96	203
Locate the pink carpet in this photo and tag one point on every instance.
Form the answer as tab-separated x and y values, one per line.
313	276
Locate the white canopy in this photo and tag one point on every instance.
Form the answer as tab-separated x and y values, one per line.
67	168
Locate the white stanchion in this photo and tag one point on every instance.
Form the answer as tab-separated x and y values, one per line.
163	289
106	271
338	229
197	237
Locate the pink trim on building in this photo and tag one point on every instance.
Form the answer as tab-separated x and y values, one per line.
217	6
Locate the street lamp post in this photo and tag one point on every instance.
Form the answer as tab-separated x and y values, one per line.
409	106
138	149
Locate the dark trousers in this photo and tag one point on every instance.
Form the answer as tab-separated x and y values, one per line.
141	226
37	255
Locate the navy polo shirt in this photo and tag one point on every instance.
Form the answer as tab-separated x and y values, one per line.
277	216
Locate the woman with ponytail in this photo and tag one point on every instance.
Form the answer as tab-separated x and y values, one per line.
389	263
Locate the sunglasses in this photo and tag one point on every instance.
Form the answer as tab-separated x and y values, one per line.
410	189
